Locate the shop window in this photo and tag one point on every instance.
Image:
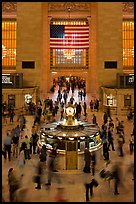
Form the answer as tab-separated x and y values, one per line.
127	100
111	100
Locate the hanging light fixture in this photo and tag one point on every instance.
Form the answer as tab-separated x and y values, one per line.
69	53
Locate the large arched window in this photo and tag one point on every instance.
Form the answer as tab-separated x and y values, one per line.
128	44
9	43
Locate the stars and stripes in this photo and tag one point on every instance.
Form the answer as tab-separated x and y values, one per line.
69	36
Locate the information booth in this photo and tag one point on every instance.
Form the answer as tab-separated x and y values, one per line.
71	137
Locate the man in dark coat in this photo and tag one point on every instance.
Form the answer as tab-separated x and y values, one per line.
87	161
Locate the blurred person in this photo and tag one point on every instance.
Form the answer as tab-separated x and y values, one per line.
86	168
43	153
93	162
89	186
117	124
26	148
11	116
94	121
105	150
14	183
111	124
39	173
21	162
130	115
21	195
116	173
12	132
51	166
84	107
121	141
105	117
15	144
84	93
121	127
59	197
131	144
78	110
103	133
110	139
85	118
131	169
97	105
91	105
7	146
35	138
53	155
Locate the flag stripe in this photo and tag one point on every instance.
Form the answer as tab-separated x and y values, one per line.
69	36
69	47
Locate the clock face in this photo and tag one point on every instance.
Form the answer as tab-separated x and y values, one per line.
70	111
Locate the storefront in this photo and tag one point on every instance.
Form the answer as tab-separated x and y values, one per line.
19	97
119	100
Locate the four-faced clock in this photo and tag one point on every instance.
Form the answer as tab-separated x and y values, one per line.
70	111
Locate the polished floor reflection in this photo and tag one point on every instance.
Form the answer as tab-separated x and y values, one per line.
72	181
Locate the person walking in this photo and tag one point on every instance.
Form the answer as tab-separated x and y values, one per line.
21	162
14	184
116	177
15	144
105	150
34	139
121	141
27	148
43	153
7	146
131	144
105	117
89	186
93	162
11	115
117	124
91	106
85	107
94	121
110	139
39	173
50	167
78	110
86	168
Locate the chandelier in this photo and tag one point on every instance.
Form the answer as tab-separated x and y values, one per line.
69	53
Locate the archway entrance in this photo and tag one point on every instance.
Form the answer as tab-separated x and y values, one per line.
64	81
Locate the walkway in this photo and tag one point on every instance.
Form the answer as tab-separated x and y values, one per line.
73	181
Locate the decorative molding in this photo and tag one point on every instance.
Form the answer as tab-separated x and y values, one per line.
9	7
128	8
65	6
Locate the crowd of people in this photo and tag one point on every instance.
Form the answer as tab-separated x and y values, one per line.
22	148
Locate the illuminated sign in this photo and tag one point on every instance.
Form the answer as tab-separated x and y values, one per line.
6	79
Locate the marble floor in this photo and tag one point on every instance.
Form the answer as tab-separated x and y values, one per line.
72	181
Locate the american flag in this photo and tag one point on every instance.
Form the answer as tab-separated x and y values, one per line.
69	36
